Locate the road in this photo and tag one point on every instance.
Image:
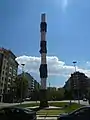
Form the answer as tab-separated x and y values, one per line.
26	102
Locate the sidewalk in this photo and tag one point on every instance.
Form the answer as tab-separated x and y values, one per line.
8	104
47	108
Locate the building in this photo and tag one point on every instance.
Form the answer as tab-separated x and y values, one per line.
67	85
78	83
8	71
36	85
32	84
30	81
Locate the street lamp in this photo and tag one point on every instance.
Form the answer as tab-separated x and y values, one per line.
74	62
77	80
49	85
22	80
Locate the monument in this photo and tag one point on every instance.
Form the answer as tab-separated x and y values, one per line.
43	66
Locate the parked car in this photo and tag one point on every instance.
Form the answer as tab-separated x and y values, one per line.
27	99
82	113
16	113
18	101
84	99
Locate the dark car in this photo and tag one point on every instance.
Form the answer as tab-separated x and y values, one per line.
82	113
15	113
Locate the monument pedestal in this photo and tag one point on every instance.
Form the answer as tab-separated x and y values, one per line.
43	99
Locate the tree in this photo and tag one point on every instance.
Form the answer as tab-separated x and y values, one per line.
21	85
56	94
61	92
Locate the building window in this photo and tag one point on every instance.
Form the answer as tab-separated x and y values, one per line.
9	80
10	73
3	72
6	73
5	79
5	56
1	84
13	79
8	90
4	67
10	68
0	90
14	71
2	78
13	75
7	63
9	83
4	61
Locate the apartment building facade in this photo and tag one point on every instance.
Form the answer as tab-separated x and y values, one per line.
8	71
78	83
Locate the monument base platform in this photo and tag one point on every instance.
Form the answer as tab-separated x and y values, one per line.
43	99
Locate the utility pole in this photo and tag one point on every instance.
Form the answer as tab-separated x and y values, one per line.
22	82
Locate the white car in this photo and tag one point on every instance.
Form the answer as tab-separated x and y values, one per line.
27	99
84	99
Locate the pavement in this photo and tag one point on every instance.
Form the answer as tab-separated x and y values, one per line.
50	107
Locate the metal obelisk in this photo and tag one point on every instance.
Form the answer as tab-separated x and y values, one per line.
43	66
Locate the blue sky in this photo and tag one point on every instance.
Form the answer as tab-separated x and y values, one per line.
68	35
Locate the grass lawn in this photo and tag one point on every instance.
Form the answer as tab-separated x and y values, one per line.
57	104
74	106
68	109
64	109
28	105
50	112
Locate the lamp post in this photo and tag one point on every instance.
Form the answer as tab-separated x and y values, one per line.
77	81
49	85
22	81
74	62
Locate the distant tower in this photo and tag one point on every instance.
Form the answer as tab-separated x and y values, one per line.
43	66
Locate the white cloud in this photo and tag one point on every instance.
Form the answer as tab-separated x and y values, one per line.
56	67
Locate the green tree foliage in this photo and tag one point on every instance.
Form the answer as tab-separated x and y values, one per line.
55	94
21	84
